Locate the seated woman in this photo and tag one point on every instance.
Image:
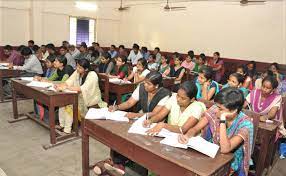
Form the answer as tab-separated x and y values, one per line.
236	80
62	73
182	109
200	63
248	83
139	72
188	62
120	70
258	82
164	68
226	125
151	97
207	88
217	65
106	65
267	102
85	82
177	71
275	69
152	65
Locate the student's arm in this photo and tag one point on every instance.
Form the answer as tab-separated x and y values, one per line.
226	144
54	76
157	117
109	68
167	72
124	106
65	77
130	76
207	94
217	68
271	114
179	78
138	78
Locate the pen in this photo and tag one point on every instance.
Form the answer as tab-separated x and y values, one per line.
114	105
181	130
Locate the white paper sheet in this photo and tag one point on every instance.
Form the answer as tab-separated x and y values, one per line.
40	84
118	81
27	78
103	113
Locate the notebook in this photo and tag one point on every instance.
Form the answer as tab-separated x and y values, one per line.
104	114
27	78
40	84
118	81
197	143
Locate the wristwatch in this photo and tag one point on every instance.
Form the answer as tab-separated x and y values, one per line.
222	121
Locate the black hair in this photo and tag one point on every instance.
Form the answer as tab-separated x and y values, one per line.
190	88
135	46
123	58
51	46
157	48
240	78
203	57
143	62
144	48
106	55
26	51
208	72
121	46
178	56
269	73
153	56
275	64
113	46
83	45
62	59
272	80
253	71
191	54
84	63
244	69
167	58
64	42
35	48
20	48
95	43
64	47
155	78
91	49
51	58
217	53
31	41
231	98
43	45
8	47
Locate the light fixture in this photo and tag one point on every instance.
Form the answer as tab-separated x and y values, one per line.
86	6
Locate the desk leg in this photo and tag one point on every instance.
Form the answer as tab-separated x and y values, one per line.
75	115
85	151
14	102
265	139
118	98
271	151
52	125
1	90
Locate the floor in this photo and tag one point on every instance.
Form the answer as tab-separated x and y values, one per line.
21	152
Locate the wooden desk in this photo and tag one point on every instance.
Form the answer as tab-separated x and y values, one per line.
51	99
267	133
168	83
6	73
148	152
121	89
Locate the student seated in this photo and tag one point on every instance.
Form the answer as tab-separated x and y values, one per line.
151	97
182	109
83	53
139	72
106	65
70	59
200	63
32	65
177	71
152	65
145	53
112	51
38	52
236	80
62	73
248	82
188	62
258	82
93	55
274	67
207	88
14	56
120	70
85	82
227	126
157	54
122	51
251	69
217	65
134	55
164	68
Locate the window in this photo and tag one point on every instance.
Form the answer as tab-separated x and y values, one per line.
82	30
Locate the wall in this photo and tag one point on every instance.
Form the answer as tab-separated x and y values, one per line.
246	32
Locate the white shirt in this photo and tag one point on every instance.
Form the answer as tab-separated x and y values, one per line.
135	96
45	55
75	53
32	65
134	57
70	60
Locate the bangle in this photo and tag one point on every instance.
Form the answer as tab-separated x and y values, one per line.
222	121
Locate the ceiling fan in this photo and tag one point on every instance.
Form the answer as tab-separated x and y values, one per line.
169	8
122	8
245	2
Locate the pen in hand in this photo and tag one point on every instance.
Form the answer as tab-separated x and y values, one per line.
113	107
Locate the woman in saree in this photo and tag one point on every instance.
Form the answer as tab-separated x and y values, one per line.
227	126
85	82
267	102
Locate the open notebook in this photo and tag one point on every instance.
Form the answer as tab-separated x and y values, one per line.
104	114
118	81
137	128
197	143
40	84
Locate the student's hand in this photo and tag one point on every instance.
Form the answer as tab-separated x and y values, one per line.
226	115
131	115
113	108
125	79
59	87
263	118
37	78
206	84
147	123
183	139
156	129
10	66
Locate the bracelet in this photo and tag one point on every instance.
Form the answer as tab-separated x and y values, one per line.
222	121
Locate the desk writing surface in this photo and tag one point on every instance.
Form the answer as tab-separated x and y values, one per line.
188	159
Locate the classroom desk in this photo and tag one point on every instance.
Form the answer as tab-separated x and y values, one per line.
52	100
148	152
267	133
168	83
121	89
6	73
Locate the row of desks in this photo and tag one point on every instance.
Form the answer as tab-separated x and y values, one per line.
97	130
